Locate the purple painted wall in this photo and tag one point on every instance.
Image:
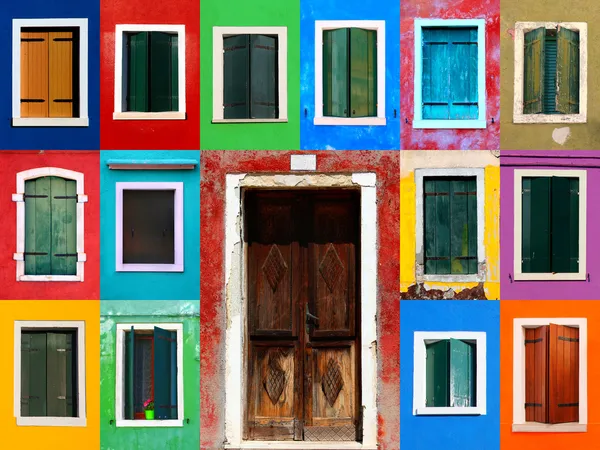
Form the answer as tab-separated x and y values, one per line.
555	160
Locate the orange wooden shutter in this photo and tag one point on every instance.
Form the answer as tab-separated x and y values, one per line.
564	374
536	374
34	74
61	73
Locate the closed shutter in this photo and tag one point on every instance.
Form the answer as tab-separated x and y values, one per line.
436	74
536	374
236	77
161	72
38	225
165	374
174	65
565	225
61	45
64	226
437	374
535	225
564	374
464	100
130	374
137	80
437	226
363	72
567	71
33	374
462	374
263	77
335	73
533	81
59	372
34	74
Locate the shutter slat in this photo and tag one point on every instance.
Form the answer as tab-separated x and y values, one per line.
430	226
564	374
533	87
162	374
363	72
160	72
263	77
472	225
137	79
71	227
61	73
335	73
30	223
462	374
442	219
236	73
59	226
437	365
43	226
34	74
567	71
459	236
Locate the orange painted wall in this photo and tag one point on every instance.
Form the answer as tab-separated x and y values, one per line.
511	309
51	438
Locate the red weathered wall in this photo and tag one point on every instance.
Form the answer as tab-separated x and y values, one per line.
86	162
481	139
215	164
149	134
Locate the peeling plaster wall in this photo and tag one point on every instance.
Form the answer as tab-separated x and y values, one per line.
450	139
583	136
411	160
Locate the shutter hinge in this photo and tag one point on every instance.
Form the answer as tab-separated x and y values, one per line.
533	341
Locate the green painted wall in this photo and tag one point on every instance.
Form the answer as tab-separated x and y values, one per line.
539	136
250	136
113	312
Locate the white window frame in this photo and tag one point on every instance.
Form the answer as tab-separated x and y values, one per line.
282	91
19	198
418	121
82	120
521	28
119	113
420	175
421	339
519	174
177	187
120	381
379	27
80	420
519	422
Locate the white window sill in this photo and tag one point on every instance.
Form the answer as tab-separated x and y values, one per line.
50	122
142	423
149	268
300	445
549	118
549	276
450	411
49	278
534	427
359	121
280	120
473	278
51	421
449	124
170	115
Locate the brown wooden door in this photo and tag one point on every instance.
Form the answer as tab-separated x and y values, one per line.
303	341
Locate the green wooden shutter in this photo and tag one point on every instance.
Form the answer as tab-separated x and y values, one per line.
437	226
535	246
463	225
129	374
437	374
263	77
33	374
363	73
435	82
463	81
462	374
161	72
549	106
173	380
335	73
60	375
163	375
565	225
38	225
64	226
137	79
567	71
533	80
174	63
236	73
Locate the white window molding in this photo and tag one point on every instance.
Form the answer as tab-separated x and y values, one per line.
420	175
120	113
519	422
521	28
19	198
418	121
120	373
236	298
222	32
80	420
519	174
421	340
177	188
82	120
379	27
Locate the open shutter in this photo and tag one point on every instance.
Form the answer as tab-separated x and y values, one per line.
437	374
536	374
160	72
363	73
38	225
236	73
34	74
263	77
567	71
462	374
60	374
174	60
64	226
463	226
137	88
533	80
437	226
33	374
164	375
564	374
535	246
335	73
61	45
565	224
436	77
129	374
464	73
549	106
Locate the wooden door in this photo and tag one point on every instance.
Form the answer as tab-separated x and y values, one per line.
303	340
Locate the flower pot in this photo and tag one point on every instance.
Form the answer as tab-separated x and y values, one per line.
149	414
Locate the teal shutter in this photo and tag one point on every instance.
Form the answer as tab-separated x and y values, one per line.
60	375
335	73
535	246
463	225
363	73
565	225
174	63
33	374
534	63
464	73
462	374
236	72
64	226
263	77
435	73
38	225
437	375
549	105
164	375
129	374
161	72
567	71
137	82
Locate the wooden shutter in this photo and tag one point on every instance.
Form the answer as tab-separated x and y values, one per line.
38	225
564	374
437	226
536	374
137	80
464	100
263	77
61	48
33	374
462	374
64	226
363	73
437	374
335	73
161	72
535	246
129	374
567	71
174	64
533	79
165	374
565	225
236	73
61	402
549	105
34	74
463	225
436	74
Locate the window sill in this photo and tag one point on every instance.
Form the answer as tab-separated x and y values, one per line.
450	411
549	428
149	268
50	122
448	124
149	423
51	421
280	120
53	278
472	278
549	118
171	115
303	445
549	276
358	121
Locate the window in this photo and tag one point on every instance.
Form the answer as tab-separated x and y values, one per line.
550	376
149	227
449	85
449	228
550	224
49	72
449	373
50	232
150	366
50	373
550	72
250	74
350	73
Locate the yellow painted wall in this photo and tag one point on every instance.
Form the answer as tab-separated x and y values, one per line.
50	438
419	159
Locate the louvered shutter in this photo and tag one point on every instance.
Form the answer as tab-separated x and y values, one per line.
533	80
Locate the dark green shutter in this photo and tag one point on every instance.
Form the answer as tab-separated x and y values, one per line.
60	374
129	374
161	72
437	226
164	375
173	380
174	63
535	247
549	106
462	374
567	71
363	72
565	225
236	73
437	374
38	225
137	80
463	225
64	226
263	77
335	73
533	80
33	374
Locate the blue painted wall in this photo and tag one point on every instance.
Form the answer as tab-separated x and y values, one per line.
50	138
323	137
150	285
449	432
